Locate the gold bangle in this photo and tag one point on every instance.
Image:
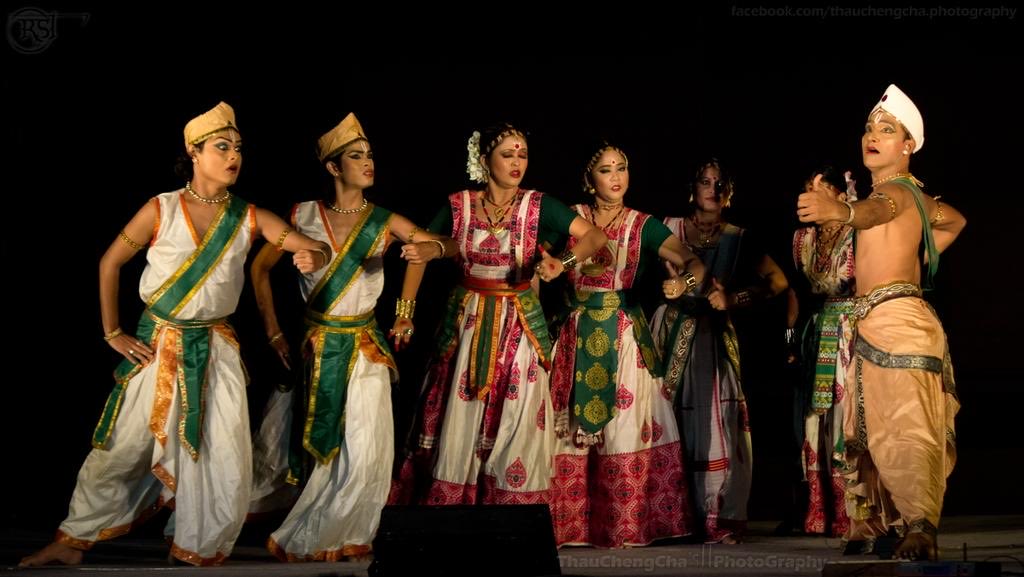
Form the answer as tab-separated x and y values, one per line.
276	337
129	241
743	298
412	233
113	334
405	308
849	219
280	240
327	257
690	280
441	246
568	259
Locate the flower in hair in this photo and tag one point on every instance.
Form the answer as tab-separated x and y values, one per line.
473	168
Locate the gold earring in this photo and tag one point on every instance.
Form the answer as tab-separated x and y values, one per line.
906	152
194	160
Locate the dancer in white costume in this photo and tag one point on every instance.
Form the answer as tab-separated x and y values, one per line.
176	426
348	424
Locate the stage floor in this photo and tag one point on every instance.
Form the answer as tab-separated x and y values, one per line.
987	538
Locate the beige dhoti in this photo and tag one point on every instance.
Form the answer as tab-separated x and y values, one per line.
899	427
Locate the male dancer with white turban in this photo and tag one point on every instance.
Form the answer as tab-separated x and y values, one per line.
899	423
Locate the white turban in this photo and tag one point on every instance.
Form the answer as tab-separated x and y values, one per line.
898	104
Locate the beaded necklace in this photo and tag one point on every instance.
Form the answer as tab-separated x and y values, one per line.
497	225
195	195
361	207
891	177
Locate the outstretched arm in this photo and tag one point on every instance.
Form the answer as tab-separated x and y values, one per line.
819	206
589	239
421	245
260	272
132	238
310	255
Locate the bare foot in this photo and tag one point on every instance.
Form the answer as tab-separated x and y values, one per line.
53	553
917	546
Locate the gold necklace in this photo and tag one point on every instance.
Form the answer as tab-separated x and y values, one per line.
500	209
498	225
362	207
882	181
600	262
705	232
218	200
608	225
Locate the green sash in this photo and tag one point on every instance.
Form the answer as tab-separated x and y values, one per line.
194	355
928	282
484	348
827	327
597	354
336	339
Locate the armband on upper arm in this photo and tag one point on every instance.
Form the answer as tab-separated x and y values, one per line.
892	203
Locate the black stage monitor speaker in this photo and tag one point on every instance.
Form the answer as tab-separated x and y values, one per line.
457	540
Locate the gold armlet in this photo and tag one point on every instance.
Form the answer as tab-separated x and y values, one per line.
129	241
280	240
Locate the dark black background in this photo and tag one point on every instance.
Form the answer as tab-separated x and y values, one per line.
93	124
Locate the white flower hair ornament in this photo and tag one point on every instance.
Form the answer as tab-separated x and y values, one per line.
476	172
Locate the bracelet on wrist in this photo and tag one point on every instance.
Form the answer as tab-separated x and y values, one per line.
278	336
405	308
113	334
568	259
689	280
743	298
849	219
440	245
327	257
